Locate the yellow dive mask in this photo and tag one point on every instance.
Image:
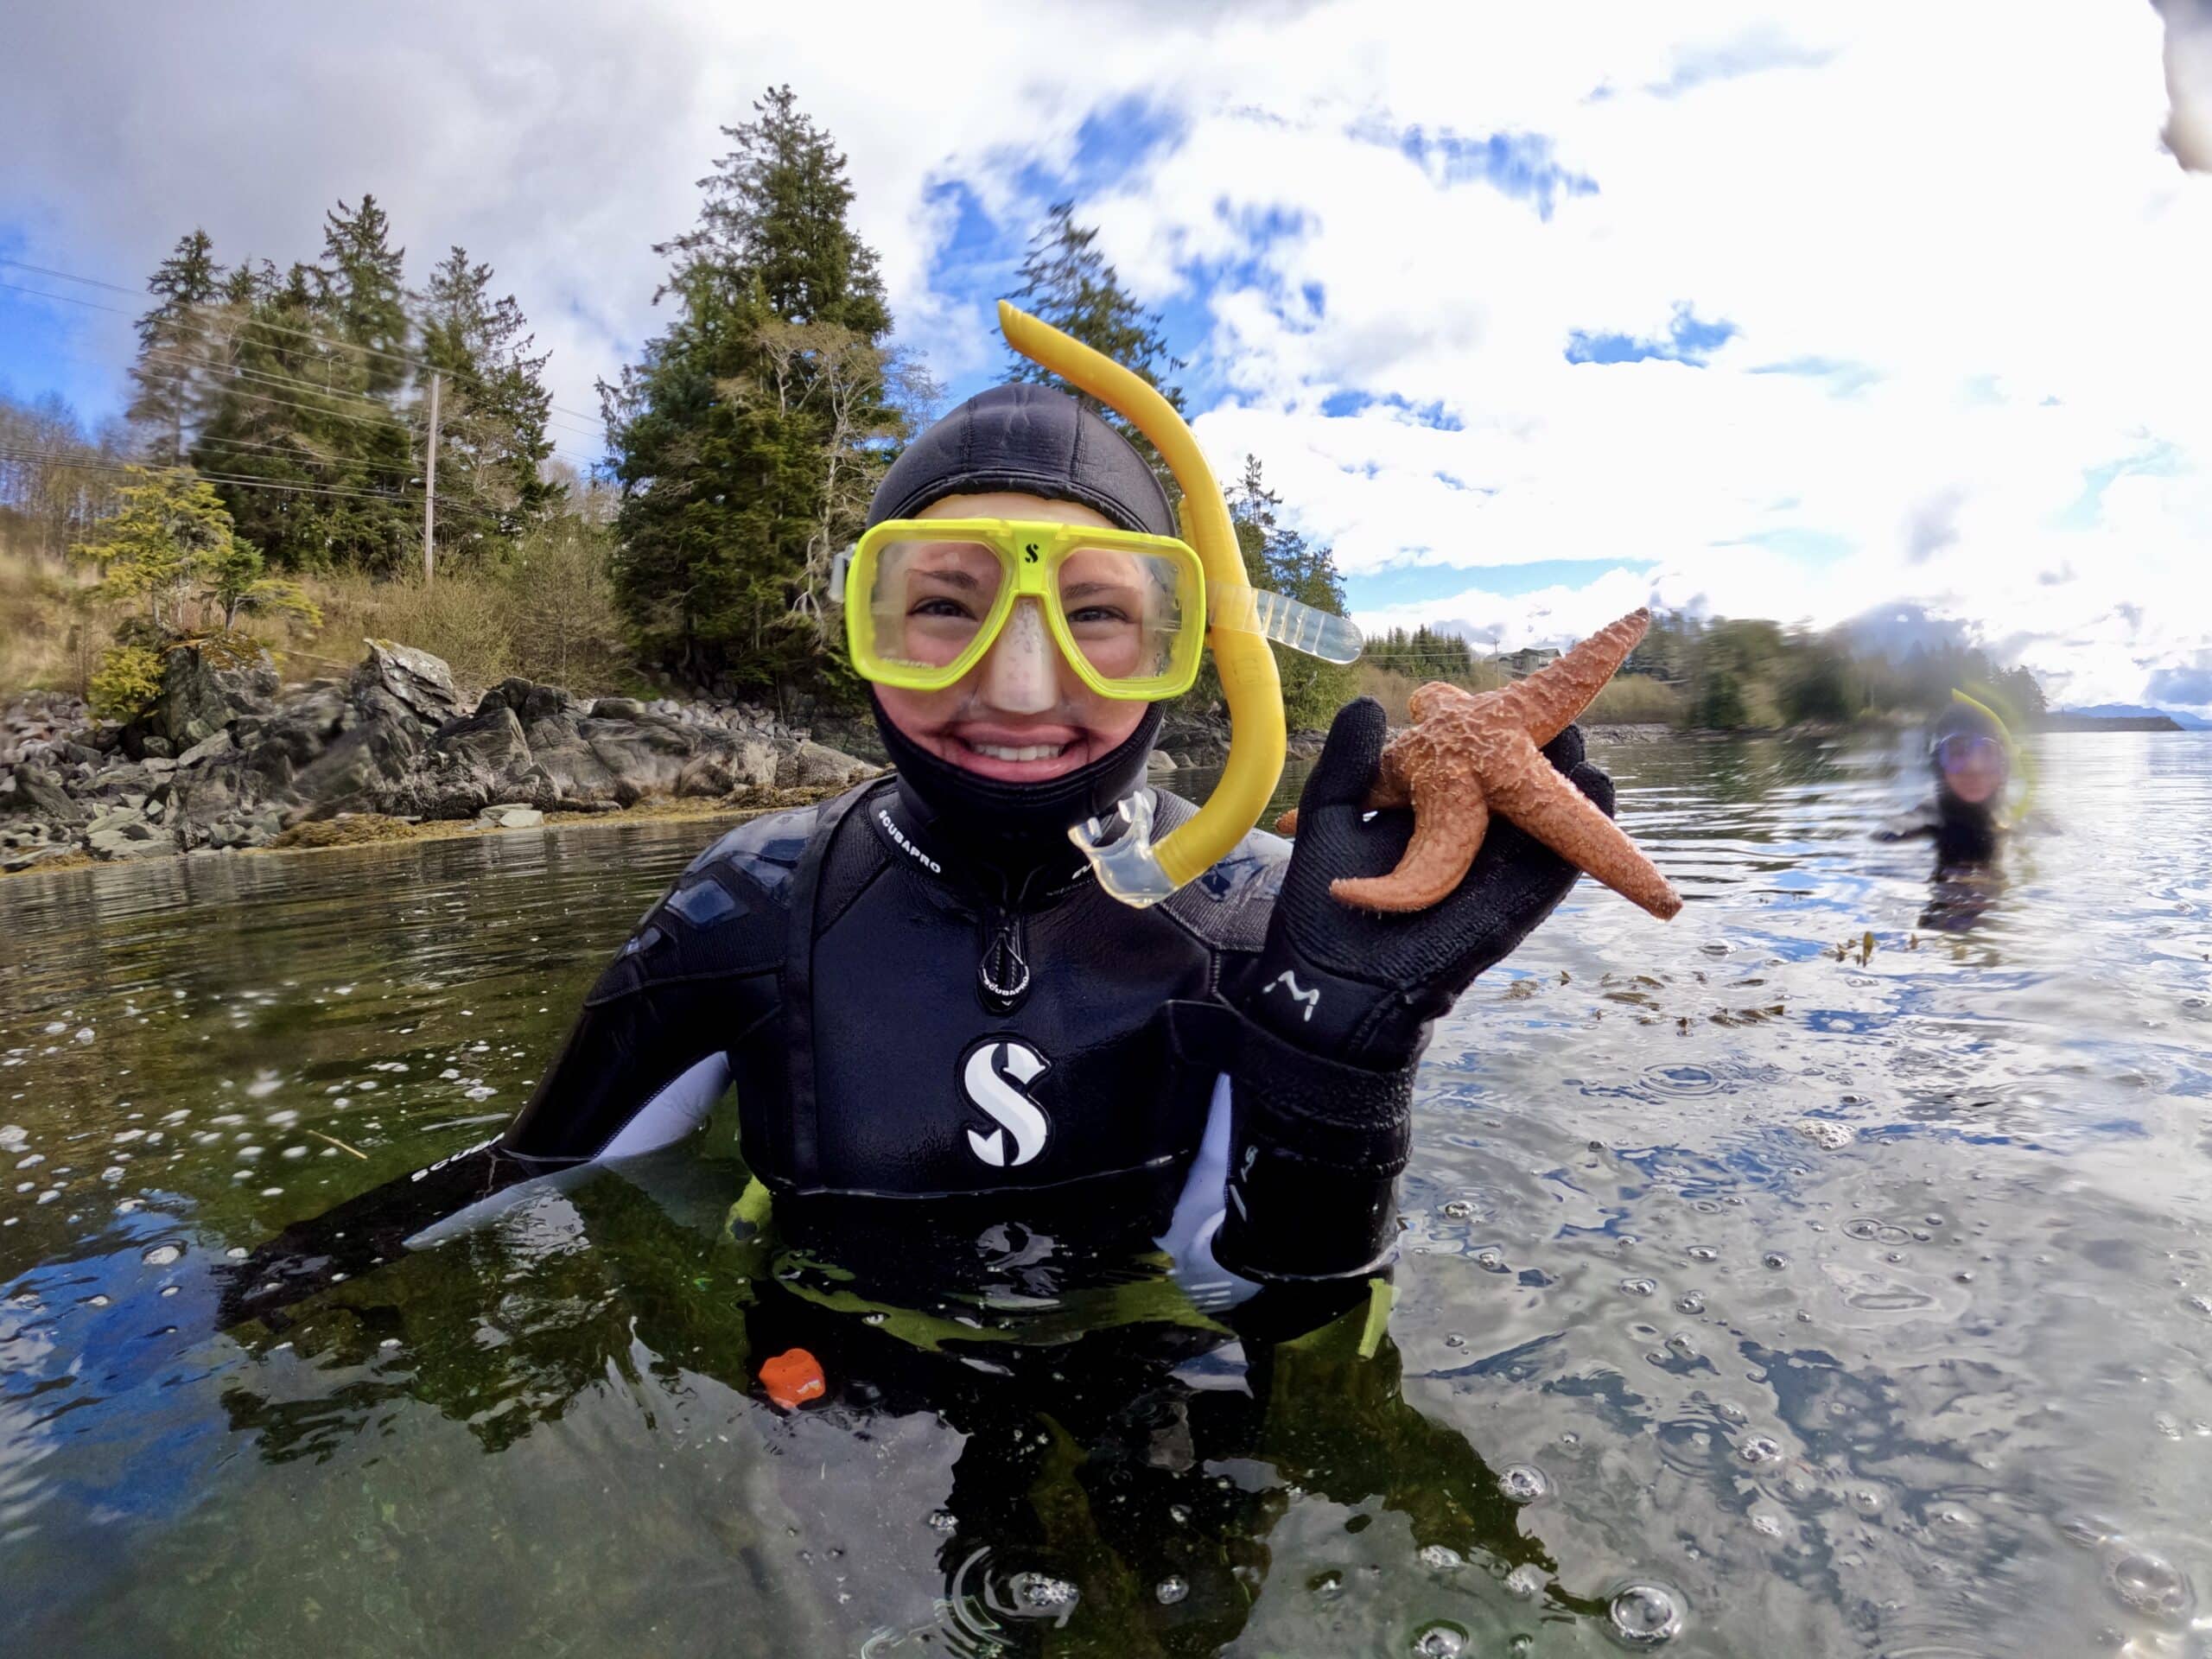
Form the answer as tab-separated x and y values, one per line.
925	599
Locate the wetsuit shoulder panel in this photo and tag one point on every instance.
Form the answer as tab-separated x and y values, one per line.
1228	907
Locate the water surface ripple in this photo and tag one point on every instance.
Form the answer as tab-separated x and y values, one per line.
1825	1274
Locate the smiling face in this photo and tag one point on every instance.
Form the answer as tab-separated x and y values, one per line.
1974	768
1022	715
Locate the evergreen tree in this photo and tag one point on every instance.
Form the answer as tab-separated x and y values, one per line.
1066	282
1279	559
745	439
168	380
328	476
492	441
363	293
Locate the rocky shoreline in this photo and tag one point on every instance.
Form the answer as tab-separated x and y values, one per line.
227	759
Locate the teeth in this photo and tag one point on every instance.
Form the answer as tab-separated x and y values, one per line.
1031	751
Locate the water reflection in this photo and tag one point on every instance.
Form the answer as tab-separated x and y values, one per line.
1839	1279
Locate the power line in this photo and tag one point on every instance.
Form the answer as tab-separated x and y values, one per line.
383	412
371	350
244	481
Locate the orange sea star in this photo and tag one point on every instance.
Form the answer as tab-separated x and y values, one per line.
1469	755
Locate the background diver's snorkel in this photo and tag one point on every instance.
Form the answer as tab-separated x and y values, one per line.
1120	848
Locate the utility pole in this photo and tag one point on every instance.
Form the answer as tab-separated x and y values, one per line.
431	487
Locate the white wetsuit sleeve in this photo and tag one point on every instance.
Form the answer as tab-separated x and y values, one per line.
1198	1212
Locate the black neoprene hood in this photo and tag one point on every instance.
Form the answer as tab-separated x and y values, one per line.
1033	441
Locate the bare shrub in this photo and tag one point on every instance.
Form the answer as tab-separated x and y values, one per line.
561	616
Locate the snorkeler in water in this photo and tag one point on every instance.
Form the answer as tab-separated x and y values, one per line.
1970	753
1015	985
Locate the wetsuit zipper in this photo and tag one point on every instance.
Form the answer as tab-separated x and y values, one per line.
1003	975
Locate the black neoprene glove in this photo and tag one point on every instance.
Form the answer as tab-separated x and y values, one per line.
1363	987
1337	1006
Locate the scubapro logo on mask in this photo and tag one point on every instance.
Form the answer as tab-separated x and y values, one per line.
995	1075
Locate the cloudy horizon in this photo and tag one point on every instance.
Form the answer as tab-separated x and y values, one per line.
1748	310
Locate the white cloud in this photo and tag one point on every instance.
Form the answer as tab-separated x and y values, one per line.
1972	214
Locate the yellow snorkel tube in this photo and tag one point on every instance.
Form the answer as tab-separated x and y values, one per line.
2023	765
1120	848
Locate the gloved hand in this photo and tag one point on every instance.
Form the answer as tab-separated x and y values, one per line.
1337	1006
1359	986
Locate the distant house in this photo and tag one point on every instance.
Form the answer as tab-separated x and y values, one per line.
1520	664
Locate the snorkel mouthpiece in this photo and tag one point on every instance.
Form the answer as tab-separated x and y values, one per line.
1120	846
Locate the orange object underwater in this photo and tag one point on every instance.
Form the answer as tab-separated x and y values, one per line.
792	1378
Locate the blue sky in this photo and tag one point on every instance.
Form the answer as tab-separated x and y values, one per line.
1790	311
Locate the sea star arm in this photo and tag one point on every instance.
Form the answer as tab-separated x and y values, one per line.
1447	834
1534	794
1546	702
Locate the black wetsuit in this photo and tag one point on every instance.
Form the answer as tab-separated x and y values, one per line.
904	1019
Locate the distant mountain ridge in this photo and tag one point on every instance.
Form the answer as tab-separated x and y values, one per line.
2188	722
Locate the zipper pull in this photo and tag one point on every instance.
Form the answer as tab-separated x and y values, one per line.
1003	975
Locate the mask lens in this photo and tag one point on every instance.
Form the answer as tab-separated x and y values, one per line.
1126	611
1966	751
928	599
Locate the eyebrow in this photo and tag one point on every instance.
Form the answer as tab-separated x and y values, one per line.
966	579
1085	589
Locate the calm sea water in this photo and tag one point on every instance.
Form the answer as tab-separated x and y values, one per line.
1824	1272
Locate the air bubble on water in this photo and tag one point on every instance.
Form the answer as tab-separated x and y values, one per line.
1041	1593
1457	1210
1523	1482
1440	1640
1454	1339
1490	1260
1644	1614
1690	1301
1171	1590
1729	1412
874	1316
1867	1501
96	1300
162	1255
1775	1259
1441	1558
1758	1449
942	1521
2195	1304
2150	1584
1640	1287
1327	1585
1703	1253
1178	1514
1525	1581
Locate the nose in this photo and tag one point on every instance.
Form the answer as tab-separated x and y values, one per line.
1021	670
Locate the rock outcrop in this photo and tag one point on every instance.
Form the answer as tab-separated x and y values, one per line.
227	758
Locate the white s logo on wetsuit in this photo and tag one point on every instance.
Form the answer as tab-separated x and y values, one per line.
984	1077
